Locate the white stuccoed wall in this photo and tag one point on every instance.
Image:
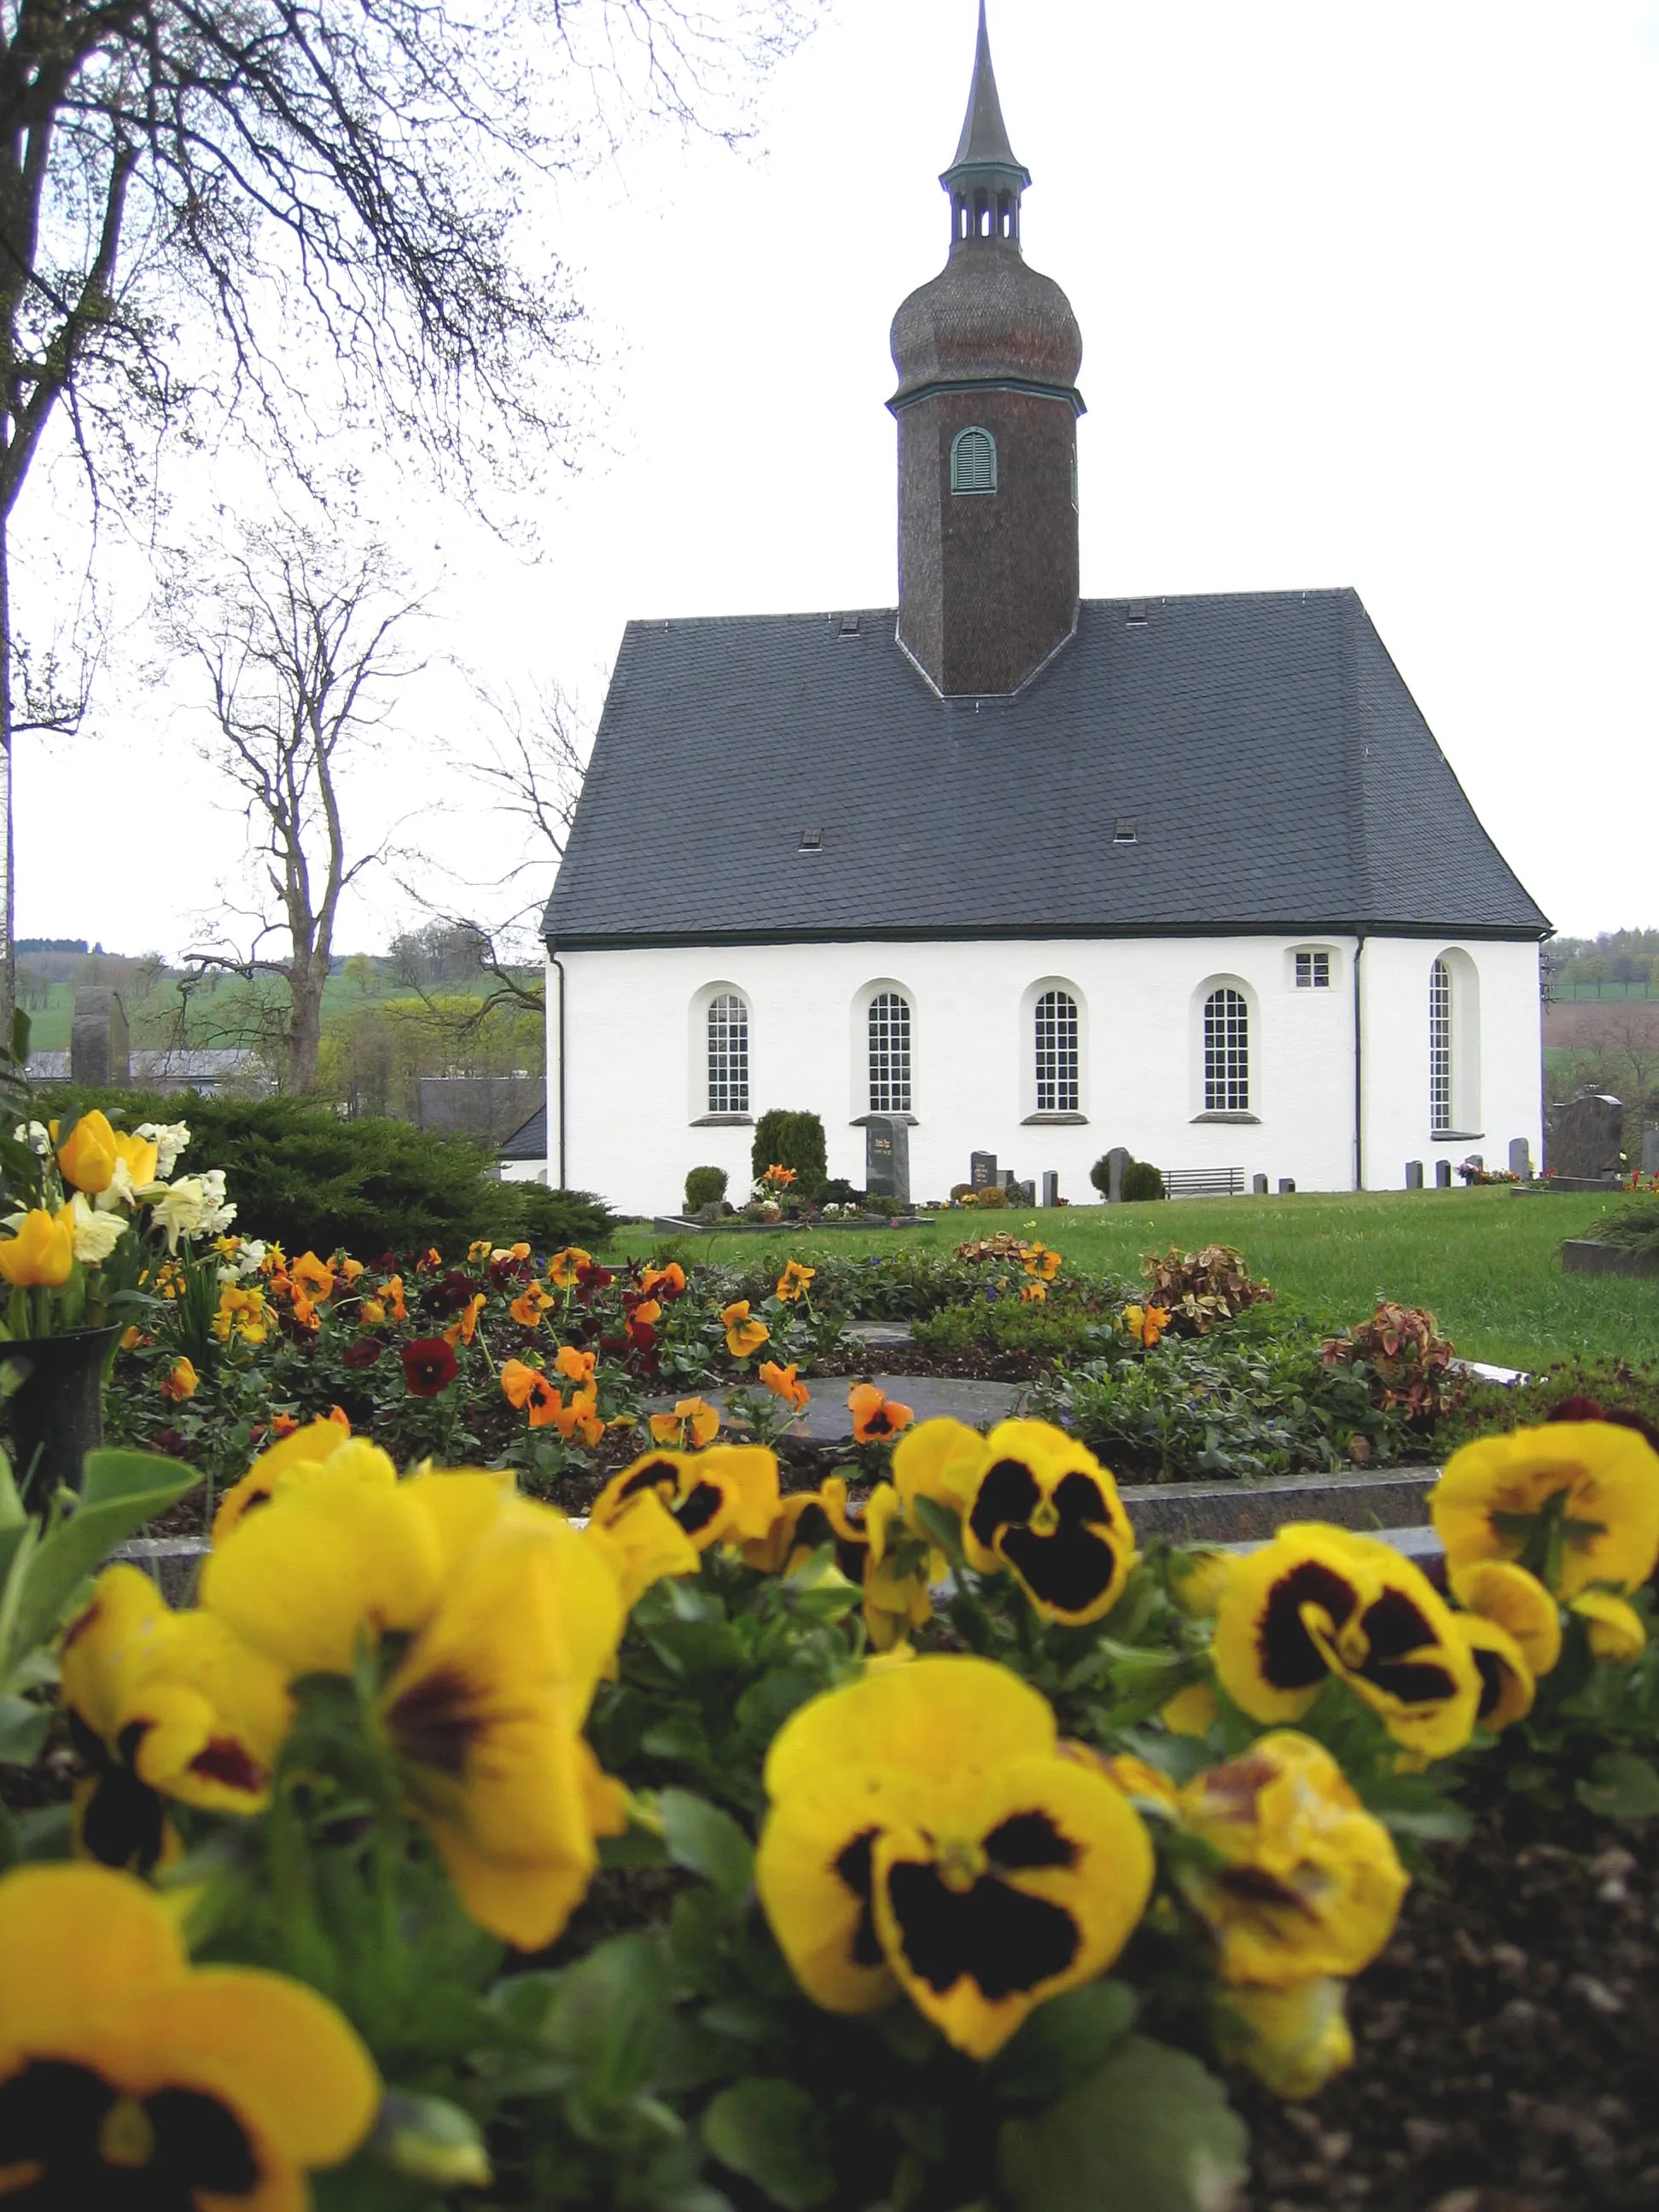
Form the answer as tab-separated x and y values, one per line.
634	1042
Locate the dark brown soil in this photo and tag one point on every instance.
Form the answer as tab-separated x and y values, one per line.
1508	2039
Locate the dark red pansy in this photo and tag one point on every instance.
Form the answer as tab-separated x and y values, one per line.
429	1366
364	1353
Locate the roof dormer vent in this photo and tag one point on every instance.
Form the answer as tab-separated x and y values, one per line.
1136	614
1125	832
811	840
849	625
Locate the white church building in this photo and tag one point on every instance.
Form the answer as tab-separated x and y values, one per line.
1046	875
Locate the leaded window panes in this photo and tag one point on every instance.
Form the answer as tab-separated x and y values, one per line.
1226	1053
1056	1053
1313	971
890	1054
728	1055
1440	1046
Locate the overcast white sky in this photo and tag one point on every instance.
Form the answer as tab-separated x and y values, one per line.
1367	294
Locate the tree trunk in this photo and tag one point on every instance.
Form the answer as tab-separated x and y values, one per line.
305	1029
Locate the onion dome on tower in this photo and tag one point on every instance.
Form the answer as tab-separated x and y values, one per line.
987	355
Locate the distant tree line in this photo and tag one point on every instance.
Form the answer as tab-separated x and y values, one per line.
1623	957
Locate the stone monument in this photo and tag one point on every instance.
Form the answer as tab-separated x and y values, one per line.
887	1156
1651	1152
982	1170
1413	1174
1116	1161
1521	1160
1584	1137
1022	1193
1050	1186
1443	1175
100	1055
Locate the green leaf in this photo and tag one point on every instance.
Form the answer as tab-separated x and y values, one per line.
1150	2131
1064	2040
23	1728
772	2134
1621	1787
113	1505
11	1502
609	2014
707	1841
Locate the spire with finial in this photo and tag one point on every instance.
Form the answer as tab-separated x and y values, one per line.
986	178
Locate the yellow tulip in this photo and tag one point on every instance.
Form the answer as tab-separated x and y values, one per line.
88	1158
42	1252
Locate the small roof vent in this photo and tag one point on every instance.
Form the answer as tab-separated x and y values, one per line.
849	625
811	840
1125	832
1136	614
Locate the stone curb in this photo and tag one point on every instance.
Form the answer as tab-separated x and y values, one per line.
1588	1255
1250	1512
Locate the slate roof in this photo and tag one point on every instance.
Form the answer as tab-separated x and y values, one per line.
1277	772
529	1140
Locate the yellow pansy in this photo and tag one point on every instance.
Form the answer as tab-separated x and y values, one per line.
324	1443
1046	1508
129	2077
1577	1500
1507	1684
1618	1633
1520	1605
1293	2039
728	1494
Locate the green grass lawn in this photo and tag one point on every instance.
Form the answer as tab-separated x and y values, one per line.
1485	1263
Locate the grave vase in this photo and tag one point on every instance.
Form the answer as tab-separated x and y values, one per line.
55	1412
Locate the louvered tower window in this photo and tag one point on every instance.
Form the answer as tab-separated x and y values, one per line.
1226	1053
890	1054
973	461
1056	1053
1440	1047
728	1055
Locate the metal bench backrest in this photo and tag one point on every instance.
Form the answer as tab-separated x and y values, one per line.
1204	1182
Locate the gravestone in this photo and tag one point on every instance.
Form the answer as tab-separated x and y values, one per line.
1259	1185
1116	1161
1287	1184
1413	1174
887	1156
1022	1193
1005	1182
1651	1152
1521	1158
1584	1137
98	1051
982	1170
1050	1187
1443	1175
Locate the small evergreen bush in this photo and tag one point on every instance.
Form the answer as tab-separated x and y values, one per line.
313	1181
1141	1180
704	1186
784	1140
1100	1175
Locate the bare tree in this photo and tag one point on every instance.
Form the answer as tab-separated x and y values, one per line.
189	187
531	766
303	646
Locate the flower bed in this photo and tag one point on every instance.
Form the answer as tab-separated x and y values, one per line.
692	1860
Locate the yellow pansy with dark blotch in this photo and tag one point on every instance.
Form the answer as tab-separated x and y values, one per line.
162	1705
1298	1880
1507	1685
129	2082
1596	1481
1519	1603
726	1495
1045	1508
1318	1601
1617	1632
511	1618
927	1834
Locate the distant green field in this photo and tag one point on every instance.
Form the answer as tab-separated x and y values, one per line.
1486	1264
149	1017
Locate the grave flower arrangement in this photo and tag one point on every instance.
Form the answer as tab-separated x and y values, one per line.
744	1848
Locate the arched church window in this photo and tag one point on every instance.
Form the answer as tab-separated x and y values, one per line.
973	461
728	1055
1226	1053
1440	1046
1056	1054
890	1054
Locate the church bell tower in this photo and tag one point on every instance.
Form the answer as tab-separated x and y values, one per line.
987	355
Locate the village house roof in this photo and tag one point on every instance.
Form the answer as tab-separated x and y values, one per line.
1245	761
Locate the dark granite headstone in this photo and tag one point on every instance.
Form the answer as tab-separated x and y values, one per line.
887	1156
1584	1136
1022	1193
1413	1174
1116	1161
99	1051
1259	1186
1287	1184
1651	1152
1443	1175
1050	1187
1521	1158
982	1170
1006	1180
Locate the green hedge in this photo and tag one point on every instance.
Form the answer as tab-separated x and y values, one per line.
313	1181
786	1140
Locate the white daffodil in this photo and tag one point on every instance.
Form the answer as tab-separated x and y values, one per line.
169	1139
177	1209
36	1135
96	1234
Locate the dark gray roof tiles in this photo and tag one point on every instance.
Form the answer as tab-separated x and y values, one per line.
1277	774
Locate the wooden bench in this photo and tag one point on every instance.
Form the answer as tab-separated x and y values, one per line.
1203	1182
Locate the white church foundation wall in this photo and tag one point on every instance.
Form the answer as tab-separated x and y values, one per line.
637	1074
